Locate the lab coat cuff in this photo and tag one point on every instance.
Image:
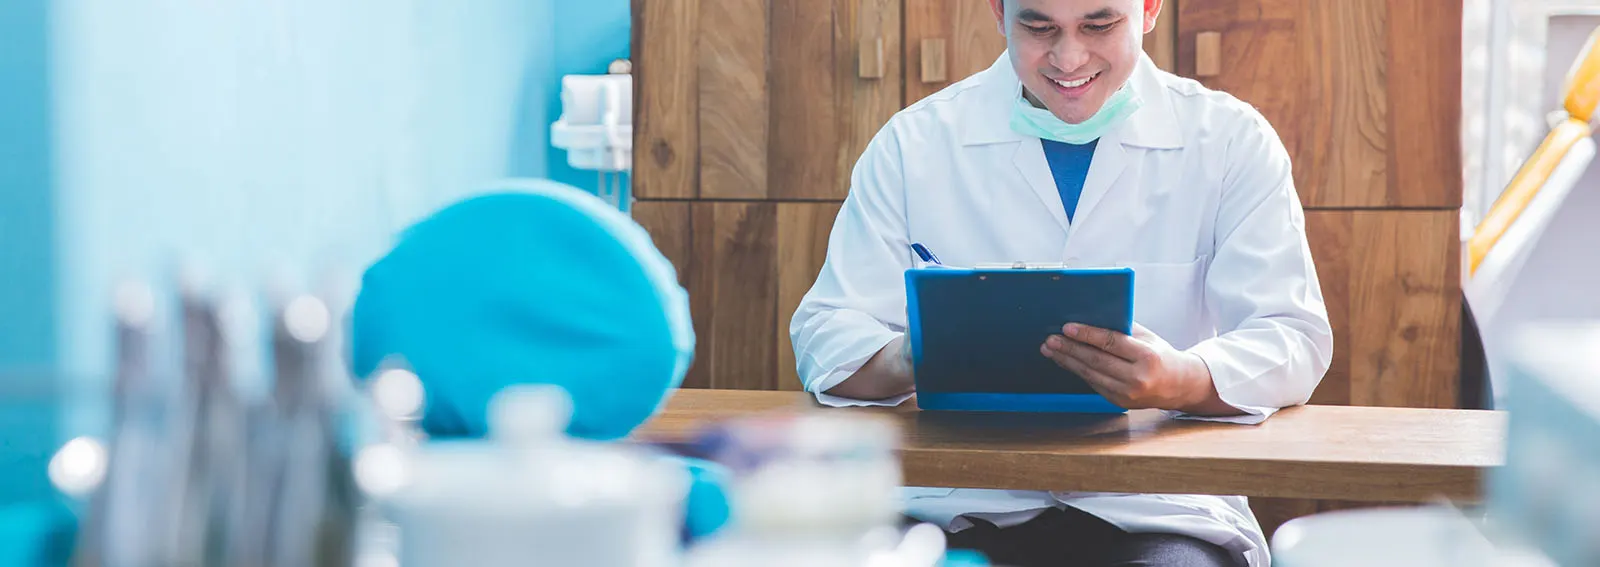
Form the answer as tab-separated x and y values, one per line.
842	402
843	371
1230	389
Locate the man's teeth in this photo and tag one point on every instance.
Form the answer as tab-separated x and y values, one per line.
1077	83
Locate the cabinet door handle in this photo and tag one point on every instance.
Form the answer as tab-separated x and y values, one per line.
934	68
1208	54
871	64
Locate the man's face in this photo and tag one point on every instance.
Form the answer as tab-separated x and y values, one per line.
1072	54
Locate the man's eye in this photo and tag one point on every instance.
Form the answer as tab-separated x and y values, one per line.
1040	30
1099	28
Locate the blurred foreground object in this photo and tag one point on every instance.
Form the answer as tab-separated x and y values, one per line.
814	489
1428	536
1542	507
534	283
196	472
530	495
1547	496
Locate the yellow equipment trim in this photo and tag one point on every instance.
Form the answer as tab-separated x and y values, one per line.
1583	81
1529	180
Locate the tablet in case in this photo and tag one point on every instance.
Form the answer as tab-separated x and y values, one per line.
975	335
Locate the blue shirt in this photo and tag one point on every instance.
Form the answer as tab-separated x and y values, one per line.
1069	164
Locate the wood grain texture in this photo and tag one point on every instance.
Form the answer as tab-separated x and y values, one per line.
805	131
665	90
802	247
935	68
972	39
861	106
1425	103
669	227
1328	233
1317	71
1327	452
1162	42
742	299
672	228
1207	54
733	104
1391	281
1405	305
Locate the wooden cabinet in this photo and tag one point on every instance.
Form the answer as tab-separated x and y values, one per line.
1389	279
1365	93
946	42
746	265
761	99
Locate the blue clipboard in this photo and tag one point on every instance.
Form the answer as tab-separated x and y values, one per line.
975	335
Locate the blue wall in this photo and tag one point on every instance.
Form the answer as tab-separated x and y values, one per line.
287	139
27	244
27	218
254	140
590	36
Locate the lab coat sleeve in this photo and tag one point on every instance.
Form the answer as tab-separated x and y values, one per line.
857	305
1274	342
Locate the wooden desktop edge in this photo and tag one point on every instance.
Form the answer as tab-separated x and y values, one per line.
688	411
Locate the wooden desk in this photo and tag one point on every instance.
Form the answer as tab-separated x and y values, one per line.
1319	452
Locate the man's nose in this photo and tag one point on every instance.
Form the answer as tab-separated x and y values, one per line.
1068	53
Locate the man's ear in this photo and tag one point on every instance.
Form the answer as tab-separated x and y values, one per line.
999	9
1152	10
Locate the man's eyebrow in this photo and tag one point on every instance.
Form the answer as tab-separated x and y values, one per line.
1032	15
1101	14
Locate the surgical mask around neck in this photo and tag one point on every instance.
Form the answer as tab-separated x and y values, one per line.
1029	120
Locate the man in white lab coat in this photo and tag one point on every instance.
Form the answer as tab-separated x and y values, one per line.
1073	147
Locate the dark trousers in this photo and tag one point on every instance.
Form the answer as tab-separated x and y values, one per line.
1072	537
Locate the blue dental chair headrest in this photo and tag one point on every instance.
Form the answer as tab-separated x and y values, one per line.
537	282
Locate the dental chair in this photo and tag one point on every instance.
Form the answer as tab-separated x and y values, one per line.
1522	259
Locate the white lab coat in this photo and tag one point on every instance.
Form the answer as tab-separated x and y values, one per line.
1194	192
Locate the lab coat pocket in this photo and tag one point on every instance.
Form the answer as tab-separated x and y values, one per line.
1168	299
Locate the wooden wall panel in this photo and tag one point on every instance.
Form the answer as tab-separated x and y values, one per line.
1317	72
670	231
732	59
1405	309
1391	280
671	228
804	124
803	230
1162	42
862	106
1425	103
665	90
972	39
741	297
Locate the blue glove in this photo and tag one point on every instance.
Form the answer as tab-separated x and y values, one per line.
708	499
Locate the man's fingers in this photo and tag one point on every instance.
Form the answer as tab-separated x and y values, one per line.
1111	388
1105	362
1116	343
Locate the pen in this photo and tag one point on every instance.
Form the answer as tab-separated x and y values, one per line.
924	253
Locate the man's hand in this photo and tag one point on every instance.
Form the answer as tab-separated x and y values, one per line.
887	374
1139	371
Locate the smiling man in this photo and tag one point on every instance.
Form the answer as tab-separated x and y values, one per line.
1074	148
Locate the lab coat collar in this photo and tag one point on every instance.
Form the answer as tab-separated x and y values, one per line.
1153	126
